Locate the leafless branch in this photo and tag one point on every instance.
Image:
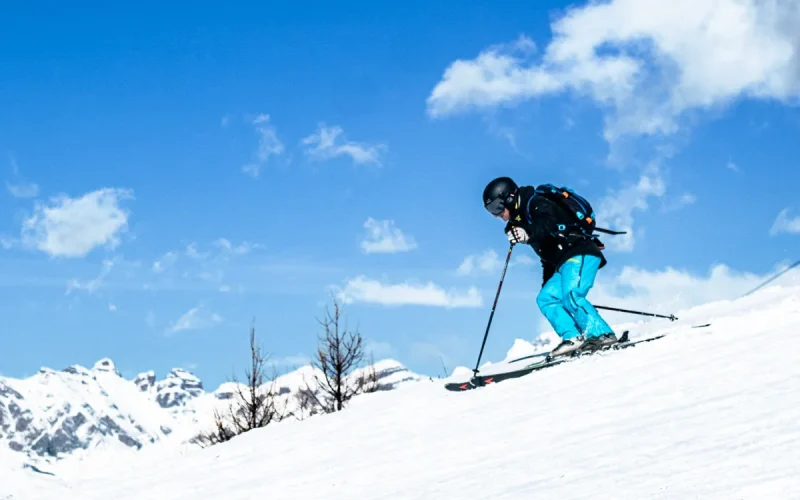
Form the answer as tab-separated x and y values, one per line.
256	402
339	353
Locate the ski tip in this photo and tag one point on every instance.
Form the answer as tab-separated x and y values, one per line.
459	386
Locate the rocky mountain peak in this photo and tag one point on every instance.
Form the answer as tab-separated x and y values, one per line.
105	365
77	370
178	387
145	380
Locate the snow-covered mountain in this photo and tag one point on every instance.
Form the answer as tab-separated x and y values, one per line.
707	413
77	411
54	413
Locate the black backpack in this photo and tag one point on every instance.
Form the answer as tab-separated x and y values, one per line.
573	204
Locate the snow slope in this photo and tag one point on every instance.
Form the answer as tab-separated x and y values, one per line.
708	413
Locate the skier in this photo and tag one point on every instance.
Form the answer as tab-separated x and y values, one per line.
570	260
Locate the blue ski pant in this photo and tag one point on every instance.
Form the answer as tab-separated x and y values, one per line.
563	302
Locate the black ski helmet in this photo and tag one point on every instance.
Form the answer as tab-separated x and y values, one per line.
499	194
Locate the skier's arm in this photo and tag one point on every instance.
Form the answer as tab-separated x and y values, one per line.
543	221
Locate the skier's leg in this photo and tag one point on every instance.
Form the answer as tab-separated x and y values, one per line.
551	304
577	278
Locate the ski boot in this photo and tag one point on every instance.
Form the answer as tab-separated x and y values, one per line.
567	347
598	343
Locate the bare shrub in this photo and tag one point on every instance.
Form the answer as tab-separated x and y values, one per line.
339	355
255	404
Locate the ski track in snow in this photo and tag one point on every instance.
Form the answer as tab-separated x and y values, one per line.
709	413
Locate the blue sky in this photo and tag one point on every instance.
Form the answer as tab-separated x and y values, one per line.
171	174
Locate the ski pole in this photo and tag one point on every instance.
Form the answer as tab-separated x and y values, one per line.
608	231
671	317
491	316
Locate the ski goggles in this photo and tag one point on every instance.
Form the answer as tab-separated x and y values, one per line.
495	207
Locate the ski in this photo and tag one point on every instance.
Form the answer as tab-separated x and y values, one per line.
482	380
545	362
622	340
546	356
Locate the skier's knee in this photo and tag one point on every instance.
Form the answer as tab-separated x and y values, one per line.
543	299
572	300
548	296
568	303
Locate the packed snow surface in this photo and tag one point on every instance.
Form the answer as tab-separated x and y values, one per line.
704	413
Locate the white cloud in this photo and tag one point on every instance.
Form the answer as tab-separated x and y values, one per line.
252	169
684	200
21	189
73	227
94	284
207	264
488	261
268	142
268	145
378	349
615	211
24	190
522	260
362	289
194	253
324	145
669	290
227	248
166	261
291	361
195	319
647	62
385	237
212	276
784	223
241	249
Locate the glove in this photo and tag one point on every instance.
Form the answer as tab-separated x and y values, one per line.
517	235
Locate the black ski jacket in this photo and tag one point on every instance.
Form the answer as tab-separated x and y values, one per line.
540	218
